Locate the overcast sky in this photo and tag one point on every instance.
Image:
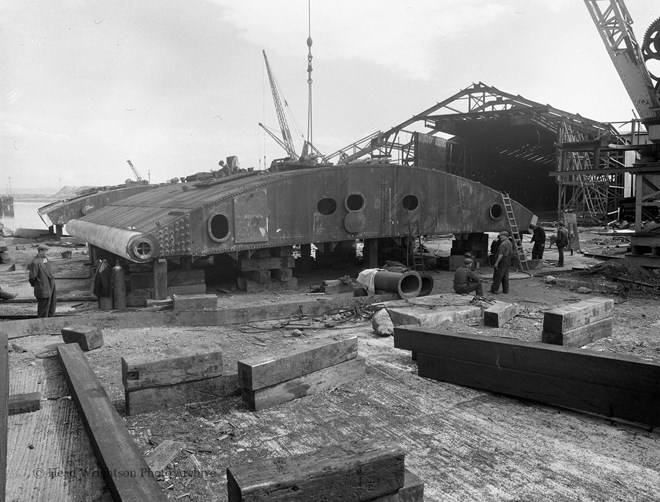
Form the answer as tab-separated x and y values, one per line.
177	86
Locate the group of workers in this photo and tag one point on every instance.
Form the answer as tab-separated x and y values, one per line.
467	281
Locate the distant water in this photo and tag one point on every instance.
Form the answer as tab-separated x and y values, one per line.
25	215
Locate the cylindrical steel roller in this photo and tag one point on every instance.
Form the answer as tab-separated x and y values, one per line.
407	284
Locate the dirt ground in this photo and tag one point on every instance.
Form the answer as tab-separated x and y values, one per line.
464	443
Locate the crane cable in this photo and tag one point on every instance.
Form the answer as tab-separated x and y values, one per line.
309	73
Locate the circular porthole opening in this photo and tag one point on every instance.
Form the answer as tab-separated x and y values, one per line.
326	206
218	227
143	249
410	202
354	202
496	211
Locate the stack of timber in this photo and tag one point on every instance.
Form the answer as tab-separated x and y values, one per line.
267	269
174	378
282	376
612	385
578	324
123	466
351	472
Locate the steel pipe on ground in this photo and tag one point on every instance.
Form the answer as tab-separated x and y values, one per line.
407	284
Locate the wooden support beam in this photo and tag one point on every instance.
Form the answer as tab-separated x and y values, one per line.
24	403
266	263
88	337
608	384
276	367
318	381
174	378
579	323
581	336
172	366
171	396
498	314
4	402
125	469
575	315
355	472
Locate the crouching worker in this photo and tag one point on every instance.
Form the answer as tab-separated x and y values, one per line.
466	281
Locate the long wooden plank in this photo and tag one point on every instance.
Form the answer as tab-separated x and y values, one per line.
318	381
573	316
125	469
581	336
172	366
591	397
612	370
171	396
4	402
350	472
264	371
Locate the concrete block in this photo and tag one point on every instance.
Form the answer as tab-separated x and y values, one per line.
88	337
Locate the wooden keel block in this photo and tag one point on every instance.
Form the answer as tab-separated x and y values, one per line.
171	366
500	313
270	369
125	469
266	263
24	403
282	274
411	491
579	337
195	302
171	396
352	472
563	319
319	381
88	337
260	276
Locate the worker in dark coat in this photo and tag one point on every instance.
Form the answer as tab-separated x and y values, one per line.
561	241
43	281
466	281
502	264
538	238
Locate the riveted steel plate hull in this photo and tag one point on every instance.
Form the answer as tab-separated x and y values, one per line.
325	204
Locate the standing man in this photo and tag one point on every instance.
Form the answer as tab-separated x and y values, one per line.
466	281
561	242
42	280
538	238
502	264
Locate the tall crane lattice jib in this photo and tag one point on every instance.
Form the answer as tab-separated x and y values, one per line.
138	176
614	24
287	141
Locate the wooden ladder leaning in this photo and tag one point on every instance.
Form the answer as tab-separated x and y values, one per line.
415	253
515	233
